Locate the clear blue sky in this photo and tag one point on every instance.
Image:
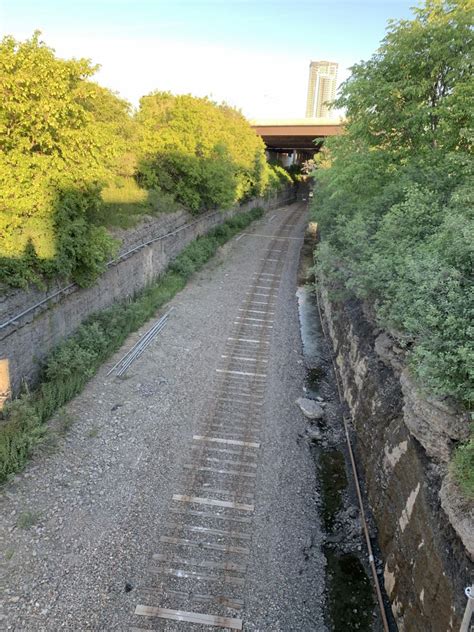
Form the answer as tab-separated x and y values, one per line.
253	54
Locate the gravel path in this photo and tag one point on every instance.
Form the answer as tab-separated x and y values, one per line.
79	527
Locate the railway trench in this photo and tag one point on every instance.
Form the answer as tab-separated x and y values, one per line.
199	571
195	508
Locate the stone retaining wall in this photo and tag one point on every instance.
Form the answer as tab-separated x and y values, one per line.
404	440
28	340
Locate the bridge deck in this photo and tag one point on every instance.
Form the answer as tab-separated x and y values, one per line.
296	133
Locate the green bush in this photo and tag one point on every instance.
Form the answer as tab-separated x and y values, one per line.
396	211
75	160
199	183
395	198
76	359
81	249
179	132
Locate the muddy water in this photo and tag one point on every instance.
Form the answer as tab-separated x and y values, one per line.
349	593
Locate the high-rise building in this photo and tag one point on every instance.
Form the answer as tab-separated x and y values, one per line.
321	88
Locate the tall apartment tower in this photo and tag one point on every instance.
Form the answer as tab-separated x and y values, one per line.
321	88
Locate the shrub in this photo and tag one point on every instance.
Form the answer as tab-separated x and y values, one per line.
74	160
53	153
194	142
199	183
394	197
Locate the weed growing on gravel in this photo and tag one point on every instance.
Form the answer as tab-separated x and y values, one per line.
9	553
65	422
72	364
28	519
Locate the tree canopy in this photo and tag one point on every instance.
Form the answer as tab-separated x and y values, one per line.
395	202
51	158
194	137
416	92
75	158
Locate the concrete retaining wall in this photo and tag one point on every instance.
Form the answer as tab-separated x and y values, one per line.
27	340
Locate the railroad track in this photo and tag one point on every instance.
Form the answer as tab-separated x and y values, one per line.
201	558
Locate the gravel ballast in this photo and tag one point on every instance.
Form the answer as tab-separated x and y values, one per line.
79	526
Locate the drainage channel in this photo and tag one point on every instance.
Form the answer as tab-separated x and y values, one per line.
198	571
350	597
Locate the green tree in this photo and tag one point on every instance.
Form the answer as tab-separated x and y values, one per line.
188	126
393	203
417	91
50	143
115	129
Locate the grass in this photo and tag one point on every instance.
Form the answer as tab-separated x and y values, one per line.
463	467
64	423
28	519
125	204
73	363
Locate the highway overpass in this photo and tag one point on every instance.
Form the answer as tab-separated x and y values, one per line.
296	137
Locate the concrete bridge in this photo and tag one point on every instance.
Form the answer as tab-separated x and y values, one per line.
296	138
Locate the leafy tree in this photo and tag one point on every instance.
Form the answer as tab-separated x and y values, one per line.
188	126
416	92
114	128
49	144
73	157
199	183
394	200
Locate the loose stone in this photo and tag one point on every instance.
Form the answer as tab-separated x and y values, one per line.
310	408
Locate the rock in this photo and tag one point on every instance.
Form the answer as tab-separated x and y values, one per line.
388	352
314	434
310	408
352	511
460	511
433	422
335	538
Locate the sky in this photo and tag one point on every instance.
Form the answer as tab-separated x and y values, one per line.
252	54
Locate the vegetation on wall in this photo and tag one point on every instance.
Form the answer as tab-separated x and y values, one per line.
75	160
71	365
395	195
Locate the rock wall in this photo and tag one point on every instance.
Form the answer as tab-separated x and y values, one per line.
404	442
29	338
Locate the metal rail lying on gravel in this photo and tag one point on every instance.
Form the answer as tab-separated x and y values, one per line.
139	347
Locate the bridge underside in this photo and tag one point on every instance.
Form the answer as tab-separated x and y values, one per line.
299	138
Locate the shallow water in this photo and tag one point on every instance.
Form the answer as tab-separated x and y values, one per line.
348	587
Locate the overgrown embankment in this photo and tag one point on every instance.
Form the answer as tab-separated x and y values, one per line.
76	360
75	160
395	209
395	202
